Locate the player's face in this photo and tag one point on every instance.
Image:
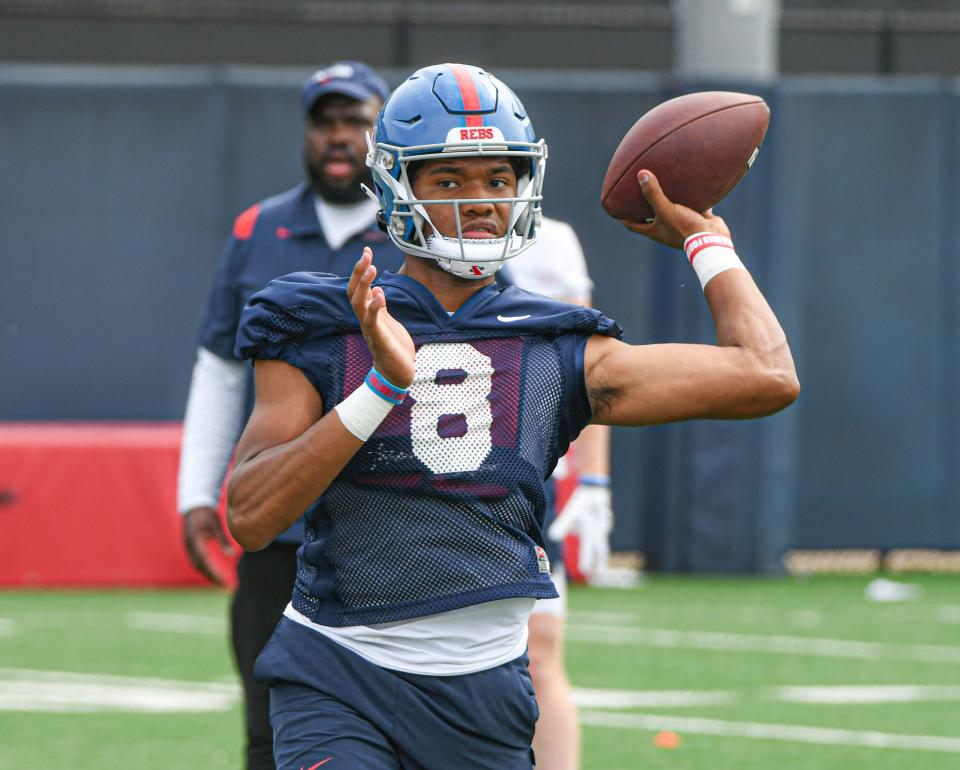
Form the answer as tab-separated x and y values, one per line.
335	146
467	178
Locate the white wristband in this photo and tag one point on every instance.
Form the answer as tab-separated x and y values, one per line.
363	410
711	254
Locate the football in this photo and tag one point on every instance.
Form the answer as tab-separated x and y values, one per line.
699	146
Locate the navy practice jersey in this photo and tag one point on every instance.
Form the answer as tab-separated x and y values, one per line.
443	506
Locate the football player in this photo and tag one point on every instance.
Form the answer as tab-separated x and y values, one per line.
415	417
555	267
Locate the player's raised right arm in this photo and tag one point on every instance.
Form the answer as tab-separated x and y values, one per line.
748	373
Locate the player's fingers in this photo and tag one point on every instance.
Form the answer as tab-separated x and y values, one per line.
202	563
212	531
644	228
224	542
650	187
366	258
374	304
585	555
568	519
355	273
360	299
562	526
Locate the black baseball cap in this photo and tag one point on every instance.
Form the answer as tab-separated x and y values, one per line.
350	78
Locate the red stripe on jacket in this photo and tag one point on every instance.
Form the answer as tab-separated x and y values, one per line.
243	225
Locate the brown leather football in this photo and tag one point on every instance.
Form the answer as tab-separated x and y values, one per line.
699	146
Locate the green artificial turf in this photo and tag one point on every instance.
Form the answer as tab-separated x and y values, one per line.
742	637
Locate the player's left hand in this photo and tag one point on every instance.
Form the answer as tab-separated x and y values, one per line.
588	514
390	344
672	223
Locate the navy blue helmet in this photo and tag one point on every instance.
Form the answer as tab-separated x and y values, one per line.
455	110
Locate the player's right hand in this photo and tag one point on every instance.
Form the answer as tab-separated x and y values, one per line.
390	344
200	526
672	223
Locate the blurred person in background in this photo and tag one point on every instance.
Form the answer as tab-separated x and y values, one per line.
555	267
320	225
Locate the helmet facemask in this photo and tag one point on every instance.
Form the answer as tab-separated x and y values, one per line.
406	215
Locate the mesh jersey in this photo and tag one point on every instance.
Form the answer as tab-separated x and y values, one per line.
442	507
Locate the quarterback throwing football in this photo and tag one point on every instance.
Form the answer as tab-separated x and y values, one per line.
415	416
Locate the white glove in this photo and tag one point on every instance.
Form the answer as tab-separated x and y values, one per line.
589	515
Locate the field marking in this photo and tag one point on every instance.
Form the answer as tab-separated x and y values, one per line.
805	618
866	693
948	614
177	623
774	732
623	699
797	618
7	627
789	645
62	692
837	695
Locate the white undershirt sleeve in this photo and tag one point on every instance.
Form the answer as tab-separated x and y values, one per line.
211	427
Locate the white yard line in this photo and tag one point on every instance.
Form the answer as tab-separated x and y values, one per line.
789	645
624	699
866	693
177	623
7	627
837	695
754	612
774	732
61	691
948	614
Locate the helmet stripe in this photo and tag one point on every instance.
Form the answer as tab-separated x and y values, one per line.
468	94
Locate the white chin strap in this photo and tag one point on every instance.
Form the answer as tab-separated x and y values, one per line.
478	258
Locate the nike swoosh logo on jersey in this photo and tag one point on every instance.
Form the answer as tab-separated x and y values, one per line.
508	318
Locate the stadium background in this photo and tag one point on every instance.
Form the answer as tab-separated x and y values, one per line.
133	132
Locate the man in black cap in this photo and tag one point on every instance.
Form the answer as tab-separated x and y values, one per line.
320	225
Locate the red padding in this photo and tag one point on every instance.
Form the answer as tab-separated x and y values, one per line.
91	504
567	477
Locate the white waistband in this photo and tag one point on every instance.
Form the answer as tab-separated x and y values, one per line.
461	641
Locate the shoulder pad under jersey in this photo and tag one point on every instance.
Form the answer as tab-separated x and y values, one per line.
527	311
292	308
